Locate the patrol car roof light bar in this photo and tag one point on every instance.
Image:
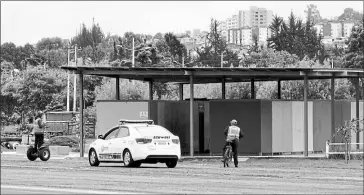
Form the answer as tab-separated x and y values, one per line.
125	121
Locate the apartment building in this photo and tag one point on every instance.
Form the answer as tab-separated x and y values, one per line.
319	29
260	17
244	18
347	27
246	36
336	30
239	28
254	17
225	34
263	34
232	23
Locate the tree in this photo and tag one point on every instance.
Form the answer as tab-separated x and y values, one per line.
55	57
210	55
351	14
91	43
158	36
312	14
276	41
36	89
354	57
255	46
49	43
10	53
295	37
270	58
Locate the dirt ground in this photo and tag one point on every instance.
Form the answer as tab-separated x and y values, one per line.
190	176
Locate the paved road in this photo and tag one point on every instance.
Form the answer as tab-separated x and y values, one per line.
74	175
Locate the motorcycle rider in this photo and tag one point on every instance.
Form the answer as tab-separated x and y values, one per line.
233	134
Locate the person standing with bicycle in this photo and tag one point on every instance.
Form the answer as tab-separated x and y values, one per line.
233	134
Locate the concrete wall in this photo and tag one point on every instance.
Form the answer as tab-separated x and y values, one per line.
110	112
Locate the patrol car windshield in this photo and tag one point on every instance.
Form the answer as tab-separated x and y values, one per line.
152	130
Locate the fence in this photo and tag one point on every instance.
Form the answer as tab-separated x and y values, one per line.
339	148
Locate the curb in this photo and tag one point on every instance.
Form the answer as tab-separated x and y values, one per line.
254	157
73	155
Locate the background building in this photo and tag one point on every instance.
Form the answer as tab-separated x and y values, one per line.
260	17
319	29
239	28
196	32
336	30
347	27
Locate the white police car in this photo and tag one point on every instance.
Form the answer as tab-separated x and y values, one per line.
134	142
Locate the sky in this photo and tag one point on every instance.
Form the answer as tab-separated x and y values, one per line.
29	21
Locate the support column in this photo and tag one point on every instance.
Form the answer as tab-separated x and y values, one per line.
332	105
117	91
357	93
150	99
180	91
81	116
191	115
305	115
223	93
252	91
279	89
150	90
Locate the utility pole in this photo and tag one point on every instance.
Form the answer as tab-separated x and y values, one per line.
68	80
132	58
222	59
75	82
183	60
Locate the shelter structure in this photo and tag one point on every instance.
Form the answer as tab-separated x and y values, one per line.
193	76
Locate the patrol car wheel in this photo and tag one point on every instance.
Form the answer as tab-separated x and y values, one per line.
92	158
128	159
44	154
171	163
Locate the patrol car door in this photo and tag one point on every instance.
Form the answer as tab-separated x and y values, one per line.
105	151
119	143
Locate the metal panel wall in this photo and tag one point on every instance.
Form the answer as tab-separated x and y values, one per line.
207	142
353	115
297	126
110	112
174	116
342	114
266	126
246	112
310	126
321	124
282	126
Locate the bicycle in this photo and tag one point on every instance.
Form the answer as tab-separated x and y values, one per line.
228	154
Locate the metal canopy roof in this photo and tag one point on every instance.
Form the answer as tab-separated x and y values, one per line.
214	75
